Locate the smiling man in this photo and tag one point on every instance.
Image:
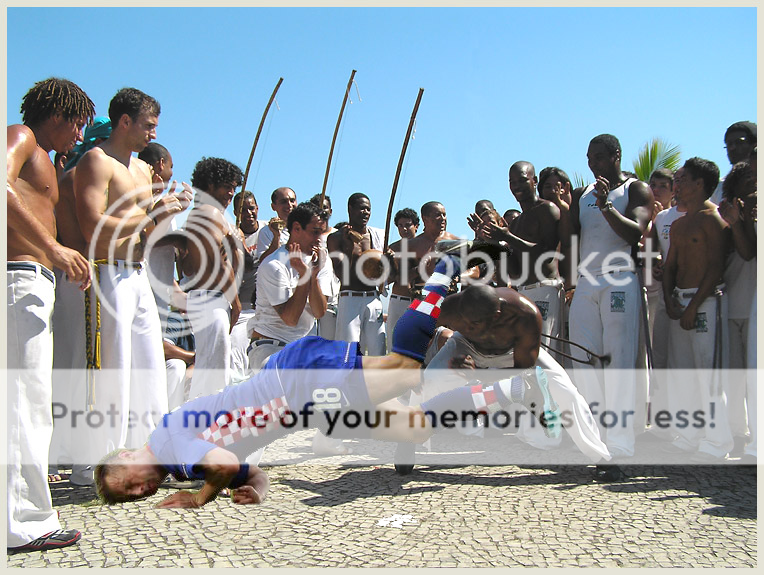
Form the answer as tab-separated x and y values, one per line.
54	112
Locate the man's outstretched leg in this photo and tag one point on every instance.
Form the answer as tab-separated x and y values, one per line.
416	424
529	388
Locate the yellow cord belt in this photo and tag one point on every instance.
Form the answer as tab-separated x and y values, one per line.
93	351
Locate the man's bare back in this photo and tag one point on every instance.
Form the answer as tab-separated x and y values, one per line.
211	238
515	325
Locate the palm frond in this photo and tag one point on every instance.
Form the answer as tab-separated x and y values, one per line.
579	181
657	153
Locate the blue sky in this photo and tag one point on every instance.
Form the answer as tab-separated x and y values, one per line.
501	85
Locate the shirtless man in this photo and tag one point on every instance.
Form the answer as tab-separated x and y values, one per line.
435	221
694	297
191	444
497	328
69	355
54	113
533	265
116	213
211	263
407	223
359	309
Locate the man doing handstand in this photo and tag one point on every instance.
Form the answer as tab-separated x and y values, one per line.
308	376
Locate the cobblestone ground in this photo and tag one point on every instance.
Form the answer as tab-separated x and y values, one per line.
342	512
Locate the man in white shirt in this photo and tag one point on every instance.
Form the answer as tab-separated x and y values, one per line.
292	285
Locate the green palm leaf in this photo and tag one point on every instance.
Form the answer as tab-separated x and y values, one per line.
657	153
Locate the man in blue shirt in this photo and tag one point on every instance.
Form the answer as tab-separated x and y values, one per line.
312	382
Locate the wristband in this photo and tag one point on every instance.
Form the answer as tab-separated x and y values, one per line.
241	476
608	207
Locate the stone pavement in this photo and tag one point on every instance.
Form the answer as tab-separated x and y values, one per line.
353	512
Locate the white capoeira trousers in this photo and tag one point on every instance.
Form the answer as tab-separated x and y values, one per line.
29	421
583	430
69	362
396	307
210	316
694	350
750	449
604	317
549	297
239	343
359	318
132	380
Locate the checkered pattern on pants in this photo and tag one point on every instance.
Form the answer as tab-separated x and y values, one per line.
246	421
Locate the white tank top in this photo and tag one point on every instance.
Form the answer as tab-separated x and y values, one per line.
602	250
662	225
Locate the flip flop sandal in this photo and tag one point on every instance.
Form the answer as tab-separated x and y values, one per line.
53	540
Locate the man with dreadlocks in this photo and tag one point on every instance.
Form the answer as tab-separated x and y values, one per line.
116	212
54	113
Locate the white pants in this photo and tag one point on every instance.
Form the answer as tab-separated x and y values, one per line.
659	383
210	316
176	381
259	354
396	307
737	347
694	350
583	430
549	297
750	449
29	419
605	319
239	343
359	318
327	325
132	380
69	362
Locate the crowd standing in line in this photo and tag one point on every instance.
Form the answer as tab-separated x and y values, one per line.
155	316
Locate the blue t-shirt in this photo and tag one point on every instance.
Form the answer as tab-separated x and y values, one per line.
308	376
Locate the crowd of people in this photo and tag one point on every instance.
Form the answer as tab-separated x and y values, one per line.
118	316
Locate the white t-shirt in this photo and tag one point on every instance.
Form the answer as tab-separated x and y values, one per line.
265	237
662	223
276	282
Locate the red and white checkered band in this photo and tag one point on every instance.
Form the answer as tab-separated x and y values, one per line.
430	305
245	422
484	399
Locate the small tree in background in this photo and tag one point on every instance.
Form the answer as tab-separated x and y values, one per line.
657	153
